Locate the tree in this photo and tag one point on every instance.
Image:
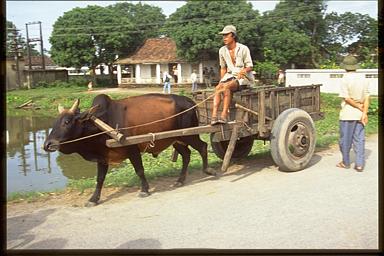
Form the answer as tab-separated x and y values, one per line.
89	36
293	32
20	41
195	27
352	33
146	20
109	31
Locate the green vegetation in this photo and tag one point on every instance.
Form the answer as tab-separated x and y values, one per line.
124	175
48	99
30	196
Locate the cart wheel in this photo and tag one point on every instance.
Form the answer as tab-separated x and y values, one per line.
293	139
242	148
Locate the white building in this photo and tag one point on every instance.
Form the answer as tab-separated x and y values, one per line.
157	55
329	78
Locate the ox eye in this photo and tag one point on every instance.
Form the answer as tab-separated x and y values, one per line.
67	121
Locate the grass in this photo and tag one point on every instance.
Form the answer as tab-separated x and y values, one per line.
48	99
30	196
124	174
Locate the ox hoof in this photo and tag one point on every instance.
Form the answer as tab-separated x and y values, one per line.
144	194
178	184
90	204
210	171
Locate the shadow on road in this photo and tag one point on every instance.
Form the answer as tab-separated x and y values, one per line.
18	227
239	169
57	243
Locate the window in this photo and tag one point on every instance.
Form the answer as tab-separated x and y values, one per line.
371	76
153	70
336	76
303	75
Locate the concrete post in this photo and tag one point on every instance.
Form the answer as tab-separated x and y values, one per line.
118	74
138	75
180	79
158	78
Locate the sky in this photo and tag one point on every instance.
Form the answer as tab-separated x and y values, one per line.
22	12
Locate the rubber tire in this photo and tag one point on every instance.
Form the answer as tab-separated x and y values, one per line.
242	148
289	123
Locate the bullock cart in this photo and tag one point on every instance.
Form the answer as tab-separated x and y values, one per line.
284	116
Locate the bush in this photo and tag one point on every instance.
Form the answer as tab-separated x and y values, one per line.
266	71
60	84
373	107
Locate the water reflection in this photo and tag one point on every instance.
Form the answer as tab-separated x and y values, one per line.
29	167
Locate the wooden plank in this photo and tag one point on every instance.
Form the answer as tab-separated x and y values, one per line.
118	137
24	104
251	111
317	99
261	117
231	147
137	139
272	102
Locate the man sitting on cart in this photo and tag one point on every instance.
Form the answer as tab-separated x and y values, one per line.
235	72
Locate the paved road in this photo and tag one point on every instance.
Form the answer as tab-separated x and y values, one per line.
253	206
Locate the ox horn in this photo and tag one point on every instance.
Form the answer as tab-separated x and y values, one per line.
75	106
60	108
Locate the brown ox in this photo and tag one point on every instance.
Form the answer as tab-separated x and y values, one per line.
128	112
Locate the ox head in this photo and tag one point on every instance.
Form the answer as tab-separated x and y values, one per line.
68	126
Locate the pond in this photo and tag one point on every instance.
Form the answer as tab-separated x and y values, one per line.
29	167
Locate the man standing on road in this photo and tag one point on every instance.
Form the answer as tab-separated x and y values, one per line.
235	72
353	114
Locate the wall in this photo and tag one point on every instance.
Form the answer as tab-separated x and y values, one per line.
329	78
11	75
33	77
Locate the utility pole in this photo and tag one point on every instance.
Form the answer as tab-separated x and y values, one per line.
40	39
29	49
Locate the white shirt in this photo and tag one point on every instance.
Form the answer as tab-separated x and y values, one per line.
355	87
193	77
242	59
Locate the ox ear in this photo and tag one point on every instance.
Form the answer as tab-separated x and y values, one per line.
60	108
75	106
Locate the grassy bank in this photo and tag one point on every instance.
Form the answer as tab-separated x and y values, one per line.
47	99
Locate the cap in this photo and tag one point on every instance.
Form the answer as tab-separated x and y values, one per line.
349	63
228	29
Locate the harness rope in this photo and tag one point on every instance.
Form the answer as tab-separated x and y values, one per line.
140	125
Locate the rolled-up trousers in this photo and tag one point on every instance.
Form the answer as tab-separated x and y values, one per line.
352	133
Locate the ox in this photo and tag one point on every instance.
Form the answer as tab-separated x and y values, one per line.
128	112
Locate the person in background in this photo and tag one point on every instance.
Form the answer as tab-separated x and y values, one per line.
353	114
194	80
175	73
280	78
235	72
167	82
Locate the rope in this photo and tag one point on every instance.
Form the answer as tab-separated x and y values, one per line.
140	125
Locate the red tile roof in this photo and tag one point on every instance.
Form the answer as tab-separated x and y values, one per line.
36	61
154	50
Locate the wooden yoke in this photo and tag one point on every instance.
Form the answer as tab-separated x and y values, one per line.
113	133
